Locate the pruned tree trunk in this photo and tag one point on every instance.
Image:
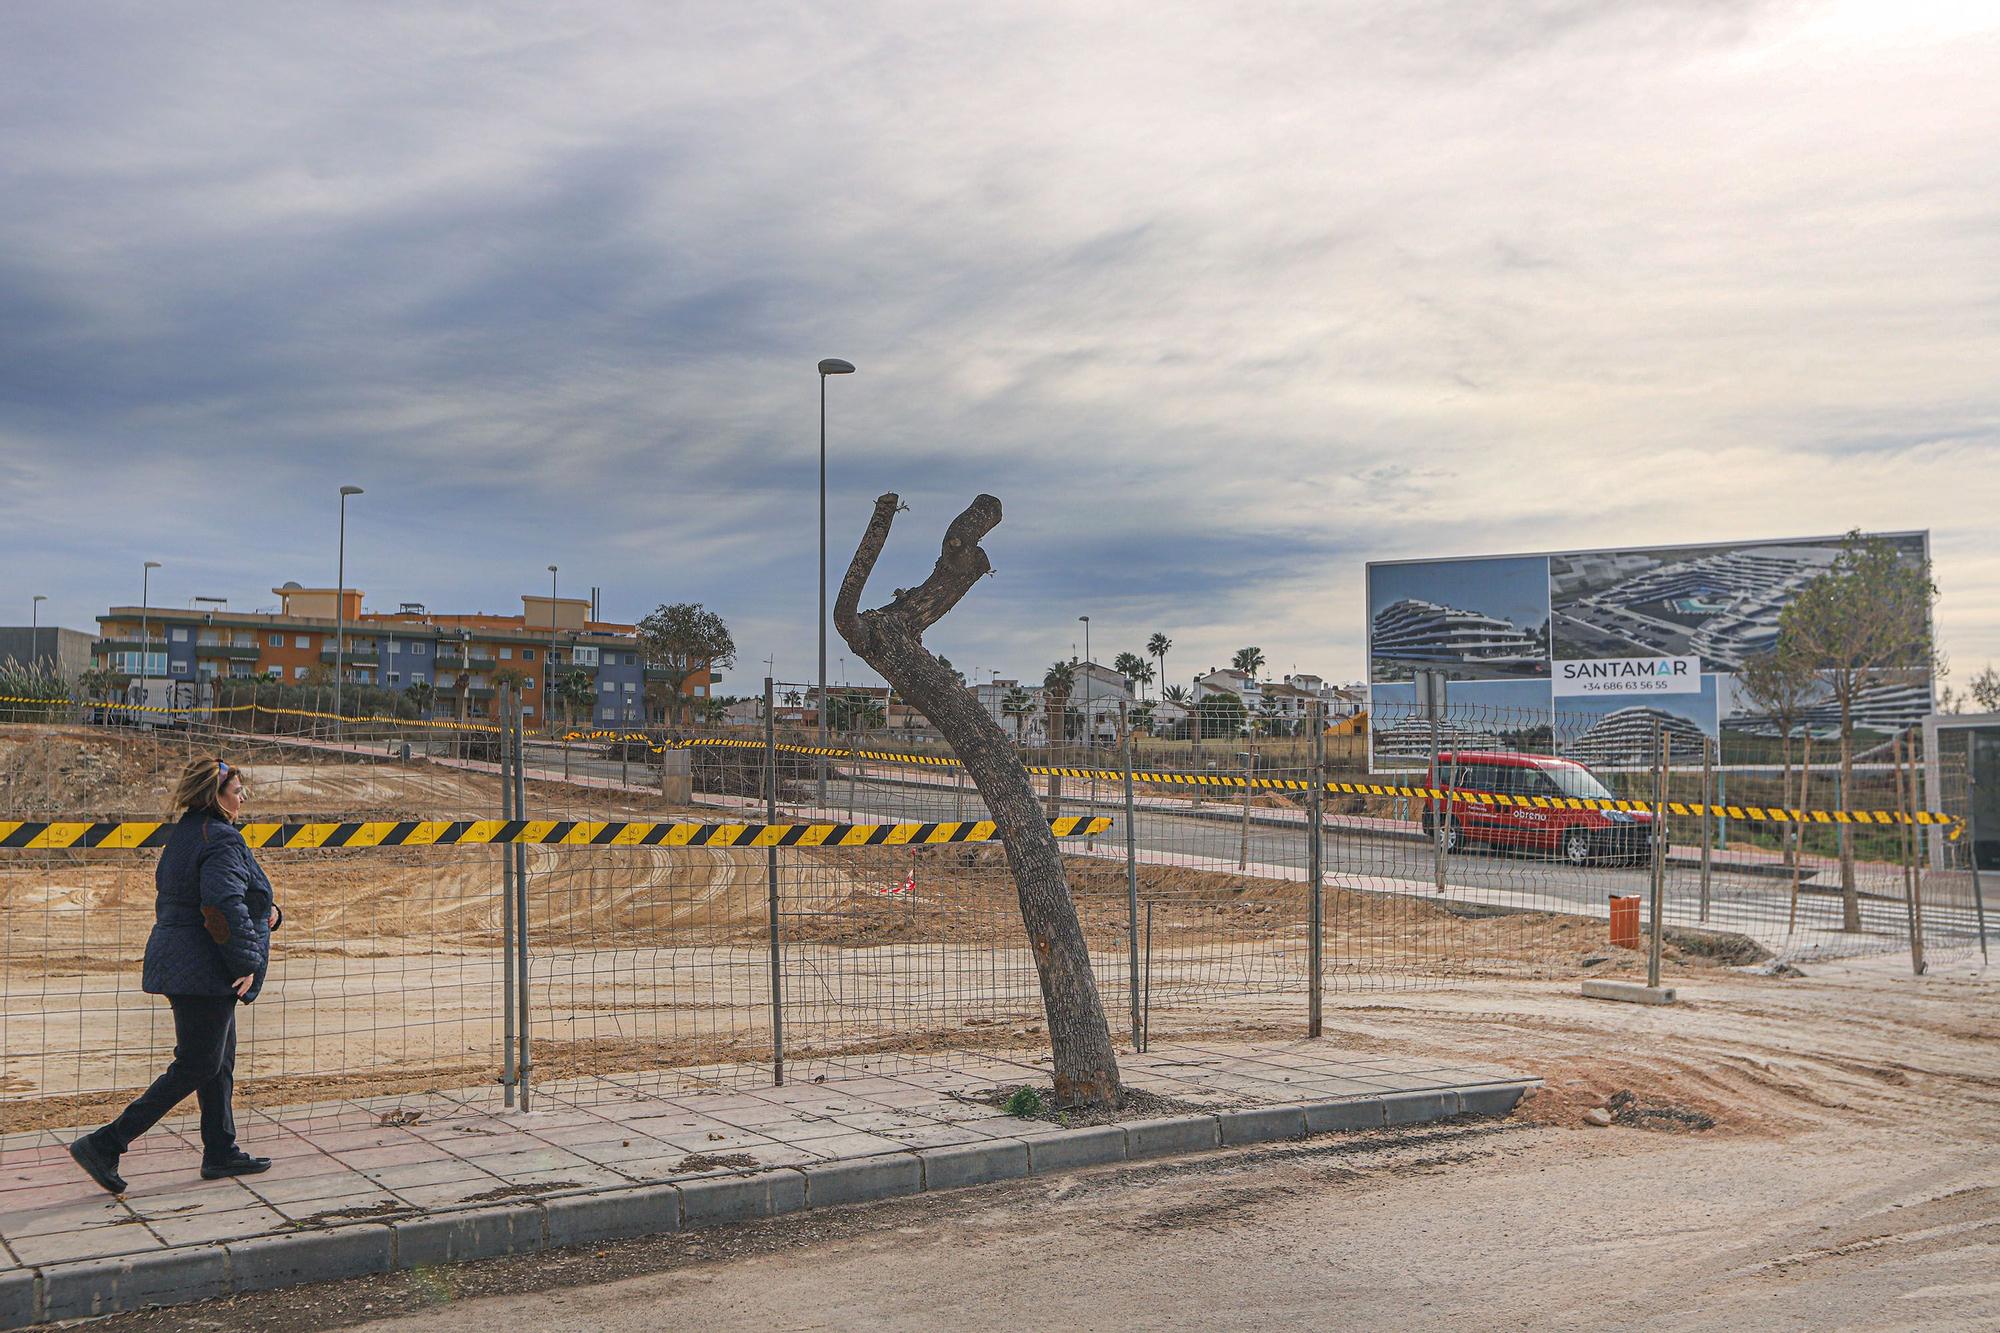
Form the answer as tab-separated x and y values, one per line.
1850	897
890	639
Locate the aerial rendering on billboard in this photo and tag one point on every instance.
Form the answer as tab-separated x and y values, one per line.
1596	652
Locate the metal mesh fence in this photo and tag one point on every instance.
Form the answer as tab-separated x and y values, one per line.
651	966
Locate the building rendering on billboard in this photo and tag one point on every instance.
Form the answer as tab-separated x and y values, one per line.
1589	653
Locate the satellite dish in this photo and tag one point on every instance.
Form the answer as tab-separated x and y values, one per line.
291	584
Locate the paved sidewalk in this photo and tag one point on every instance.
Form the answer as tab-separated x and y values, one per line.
355	1191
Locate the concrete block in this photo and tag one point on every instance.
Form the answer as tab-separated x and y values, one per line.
1495	1101
17	1298
1262	1124
1345	1117
263	1262
104	1286
962	1164
589	1219
1171	1136
1418	1108
718	1200
1076	1148
478	1233
862	1179
1631	992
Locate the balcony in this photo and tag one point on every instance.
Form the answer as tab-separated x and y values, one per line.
235	652
354	657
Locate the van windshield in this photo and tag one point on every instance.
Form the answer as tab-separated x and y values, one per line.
1578	782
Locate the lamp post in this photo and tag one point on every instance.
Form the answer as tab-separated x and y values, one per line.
145	631
1089	724
830	366
549	665
340	606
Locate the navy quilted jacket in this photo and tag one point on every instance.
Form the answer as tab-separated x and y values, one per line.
212	912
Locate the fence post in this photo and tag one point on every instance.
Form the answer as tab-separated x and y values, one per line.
1707	817
521	1065
1146	1000
771	882
1131	879
1316	874
507	1077
1243	842
1913	907
1660	743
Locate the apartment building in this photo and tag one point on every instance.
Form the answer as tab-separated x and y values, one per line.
459	656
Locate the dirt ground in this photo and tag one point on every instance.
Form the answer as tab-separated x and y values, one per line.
1848	1176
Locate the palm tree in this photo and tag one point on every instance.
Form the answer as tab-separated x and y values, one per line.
1144	675
1178	696
1057	682
463	687
1156	647
1249	661
1128	665
1017	704
422	695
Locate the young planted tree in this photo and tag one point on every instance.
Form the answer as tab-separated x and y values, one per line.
1780	684
422	696
578	693
680	642
1865	622
890	639
1057	682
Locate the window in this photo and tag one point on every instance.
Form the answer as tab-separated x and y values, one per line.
277	640
395	677
178	668
528	683
298	673
527	710
506	654
609	688
527	654
416	650
583	656
416	678
180	634
302	641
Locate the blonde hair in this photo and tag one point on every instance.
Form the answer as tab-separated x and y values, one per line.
200	784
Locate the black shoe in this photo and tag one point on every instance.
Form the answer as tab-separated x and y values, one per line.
242	1164
102	1165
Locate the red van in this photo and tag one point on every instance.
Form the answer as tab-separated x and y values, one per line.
1577	836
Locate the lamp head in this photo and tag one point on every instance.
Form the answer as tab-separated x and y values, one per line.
833	365
350	490
152	564
40	598
552	569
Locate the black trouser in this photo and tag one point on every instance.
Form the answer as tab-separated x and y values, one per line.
204	1064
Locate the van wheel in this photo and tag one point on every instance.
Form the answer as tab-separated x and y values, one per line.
1576	847
1451	839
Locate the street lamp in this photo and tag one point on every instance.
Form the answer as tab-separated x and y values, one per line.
340	605
830	366
145	634
35	630
548	666
1089	732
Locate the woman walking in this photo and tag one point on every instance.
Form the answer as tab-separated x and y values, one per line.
212	921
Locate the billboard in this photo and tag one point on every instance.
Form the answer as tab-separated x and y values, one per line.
1590	649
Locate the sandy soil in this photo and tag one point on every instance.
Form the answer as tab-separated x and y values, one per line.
1850	1179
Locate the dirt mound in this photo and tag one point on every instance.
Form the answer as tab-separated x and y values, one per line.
50	771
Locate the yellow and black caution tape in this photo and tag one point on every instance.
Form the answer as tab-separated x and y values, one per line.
1236	782
61	834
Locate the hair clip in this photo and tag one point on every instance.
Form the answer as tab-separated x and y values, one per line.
222	768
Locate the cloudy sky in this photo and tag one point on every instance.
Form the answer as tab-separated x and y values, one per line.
1221	300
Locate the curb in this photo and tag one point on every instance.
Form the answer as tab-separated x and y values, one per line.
198	1272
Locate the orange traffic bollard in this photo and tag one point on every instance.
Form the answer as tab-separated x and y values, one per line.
1625	920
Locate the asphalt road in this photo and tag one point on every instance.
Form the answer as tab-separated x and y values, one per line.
1756	905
